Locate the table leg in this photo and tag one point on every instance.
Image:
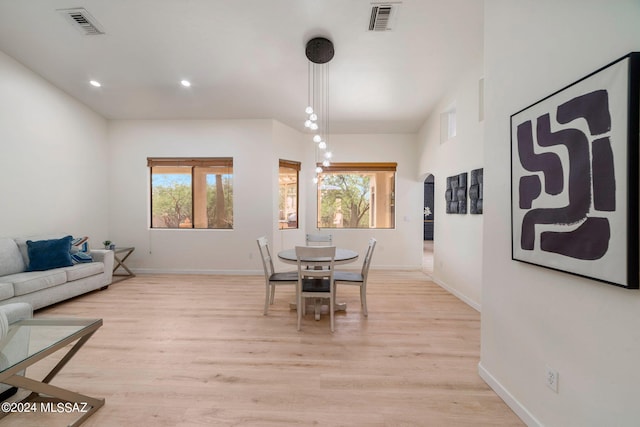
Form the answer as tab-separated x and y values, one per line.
42	391
340	306
119	262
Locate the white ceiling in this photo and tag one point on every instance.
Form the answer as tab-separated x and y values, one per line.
246	59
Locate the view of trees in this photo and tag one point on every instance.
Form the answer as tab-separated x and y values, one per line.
345	200
219	205
172	201
198	193
287	197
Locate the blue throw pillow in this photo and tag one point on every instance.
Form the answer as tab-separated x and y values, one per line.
80	257
48	254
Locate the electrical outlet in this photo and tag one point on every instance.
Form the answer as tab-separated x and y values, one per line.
552	378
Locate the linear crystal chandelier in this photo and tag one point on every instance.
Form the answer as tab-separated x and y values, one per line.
319	51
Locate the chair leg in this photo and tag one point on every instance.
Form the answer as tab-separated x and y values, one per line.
266	299
332	309
273	293
299	309
363	300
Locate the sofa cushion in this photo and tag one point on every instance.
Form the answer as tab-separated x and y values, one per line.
6	291
11	261
80	271
25	283
48	254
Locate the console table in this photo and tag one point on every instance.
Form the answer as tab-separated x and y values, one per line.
118	261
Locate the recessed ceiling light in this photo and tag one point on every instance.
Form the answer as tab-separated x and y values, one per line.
185	83
95	83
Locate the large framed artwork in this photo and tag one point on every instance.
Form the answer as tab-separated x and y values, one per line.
574	177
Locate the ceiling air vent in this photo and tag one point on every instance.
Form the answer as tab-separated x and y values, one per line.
82	21
380	17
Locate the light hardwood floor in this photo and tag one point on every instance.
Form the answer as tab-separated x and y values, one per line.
427	257
178	350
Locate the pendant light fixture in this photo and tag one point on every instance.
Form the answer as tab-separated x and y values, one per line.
319	52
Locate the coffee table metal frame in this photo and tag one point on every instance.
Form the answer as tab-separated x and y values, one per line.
43	391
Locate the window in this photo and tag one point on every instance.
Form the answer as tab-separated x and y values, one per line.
357	195
191	192
448	125
288	194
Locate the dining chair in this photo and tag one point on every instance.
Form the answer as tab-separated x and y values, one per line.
315	283
319	240
358	279
271	277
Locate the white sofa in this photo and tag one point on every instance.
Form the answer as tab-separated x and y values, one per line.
45	287
18	348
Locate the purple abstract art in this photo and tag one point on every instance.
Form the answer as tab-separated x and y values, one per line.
574	170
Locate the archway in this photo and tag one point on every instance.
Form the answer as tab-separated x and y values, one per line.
429	224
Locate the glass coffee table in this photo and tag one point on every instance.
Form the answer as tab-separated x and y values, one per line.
32	340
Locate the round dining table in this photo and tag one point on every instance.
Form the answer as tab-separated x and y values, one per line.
343	256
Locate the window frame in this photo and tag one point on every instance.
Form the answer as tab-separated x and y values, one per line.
295	165
355	167
192	163
448	124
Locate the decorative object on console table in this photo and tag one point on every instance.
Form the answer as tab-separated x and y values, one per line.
574	177
456	194
475	191
107	244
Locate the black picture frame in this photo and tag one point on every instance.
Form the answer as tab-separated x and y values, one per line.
574	177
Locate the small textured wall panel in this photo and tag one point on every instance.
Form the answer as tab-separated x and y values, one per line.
475	191
456	194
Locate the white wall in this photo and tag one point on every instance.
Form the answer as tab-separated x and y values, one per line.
256	146
457	238
249	142
53	159
531	316
289	144
396	248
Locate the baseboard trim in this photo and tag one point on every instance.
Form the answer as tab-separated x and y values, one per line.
355	267
199	272
518	408
473	304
